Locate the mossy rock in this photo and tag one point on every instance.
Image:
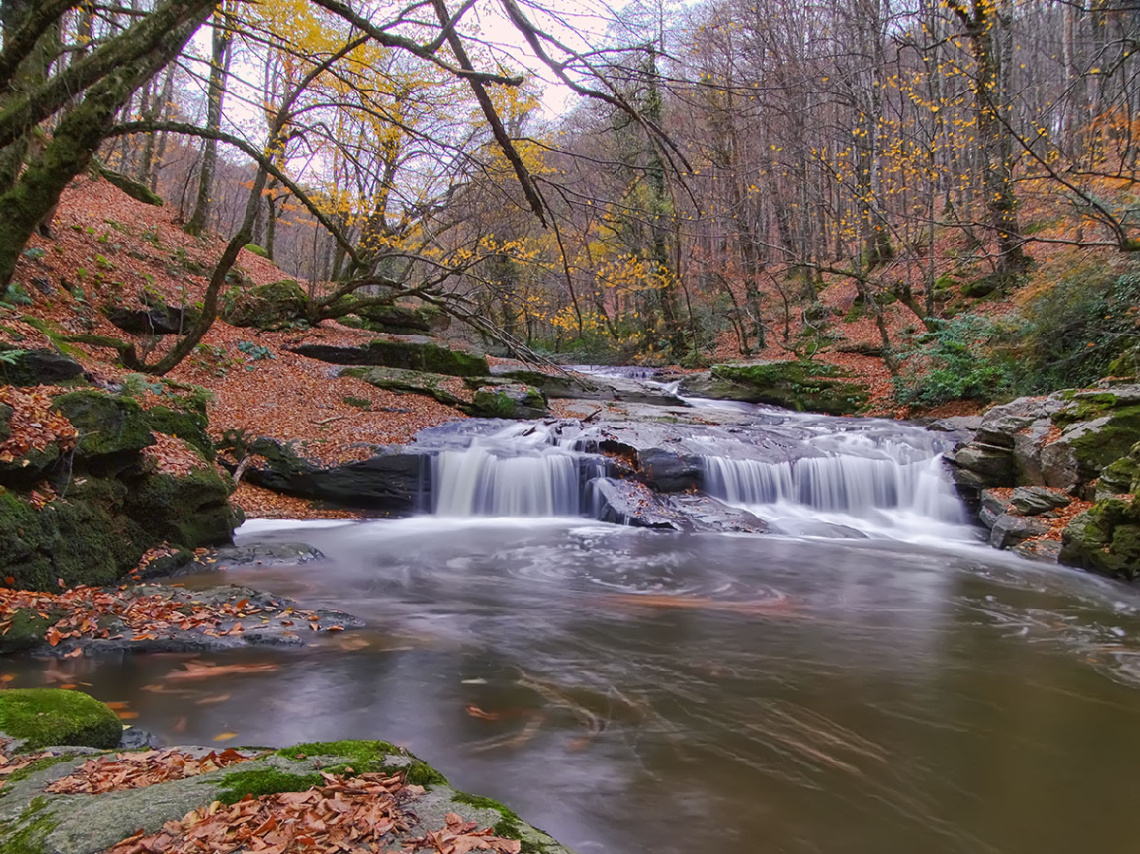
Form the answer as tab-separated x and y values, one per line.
397	319
1098	443
401	379
26	630
78	540
268	307
40	366
112	428
420	354
1105	539
190	510
188	424
797	385
51	716
513	401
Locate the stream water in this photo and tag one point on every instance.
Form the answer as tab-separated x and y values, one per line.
894	686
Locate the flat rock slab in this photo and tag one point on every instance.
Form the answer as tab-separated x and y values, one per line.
41	822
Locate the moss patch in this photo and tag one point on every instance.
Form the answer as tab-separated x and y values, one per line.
27	630
264	781
800	386
363	756
509	826
27	833
47	716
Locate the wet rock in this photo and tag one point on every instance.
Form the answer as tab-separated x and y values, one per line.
993	464
629	503
1009	530
570	385
1036	500
993	507
138	739
411	352
665	471
267	554
1045	551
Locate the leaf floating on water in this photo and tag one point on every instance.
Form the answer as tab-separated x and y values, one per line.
476	712
225	736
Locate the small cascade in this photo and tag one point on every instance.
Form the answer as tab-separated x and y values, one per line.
855	486
520	471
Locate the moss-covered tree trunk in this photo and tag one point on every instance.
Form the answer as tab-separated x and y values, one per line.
68	152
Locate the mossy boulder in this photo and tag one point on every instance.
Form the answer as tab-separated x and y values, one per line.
191	510
400	379
409	352
112	428
189	424
267	307
514	401
41	366
50	716
798	385
77	540
401	320
1105	539
25	630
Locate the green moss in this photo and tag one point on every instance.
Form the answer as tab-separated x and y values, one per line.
264	781
272	306
27	833
26	631
1099	448
508	827
185	424
47	716
108	425
191	510
1086	408
363	756
800	386
420	355
358	402
421	774
1105	539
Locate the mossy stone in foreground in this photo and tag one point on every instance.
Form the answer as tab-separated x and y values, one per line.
49	716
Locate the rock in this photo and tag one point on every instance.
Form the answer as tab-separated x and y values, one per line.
665	471
267	554
993	508
1105	539
1000	423
992	463
1046	551
158	320
1028	446
5	421
800	386
134	738
1009	530
403	320
411	352
957	424
37	367
626	502
389	481
185	419
35	821
1120	477
49	716
401	379
191	510
1035	500
514	401
273	306
112	428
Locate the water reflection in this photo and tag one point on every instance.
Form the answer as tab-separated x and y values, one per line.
636	691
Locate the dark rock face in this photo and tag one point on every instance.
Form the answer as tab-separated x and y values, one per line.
410	352
389	481
37	367
1009	530
799	386
158	320
1035	500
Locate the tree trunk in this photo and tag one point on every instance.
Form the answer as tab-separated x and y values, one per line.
219	74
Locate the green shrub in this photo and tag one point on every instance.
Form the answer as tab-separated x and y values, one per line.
963	360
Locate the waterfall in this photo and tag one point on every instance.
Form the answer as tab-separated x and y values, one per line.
848	485
477	482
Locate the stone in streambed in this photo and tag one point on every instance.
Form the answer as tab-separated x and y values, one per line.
801	386
1008	530
1036	500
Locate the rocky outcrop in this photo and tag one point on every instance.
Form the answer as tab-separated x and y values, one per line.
627	502
388	482
410	352
403	380
1074	444
797	385
510	400
276	305
39	366
159	319
85	510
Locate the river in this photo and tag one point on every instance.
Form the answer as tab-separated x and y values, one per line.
894	686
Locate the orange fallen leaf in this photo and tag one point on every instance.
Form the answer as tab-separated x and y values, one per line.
225	736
